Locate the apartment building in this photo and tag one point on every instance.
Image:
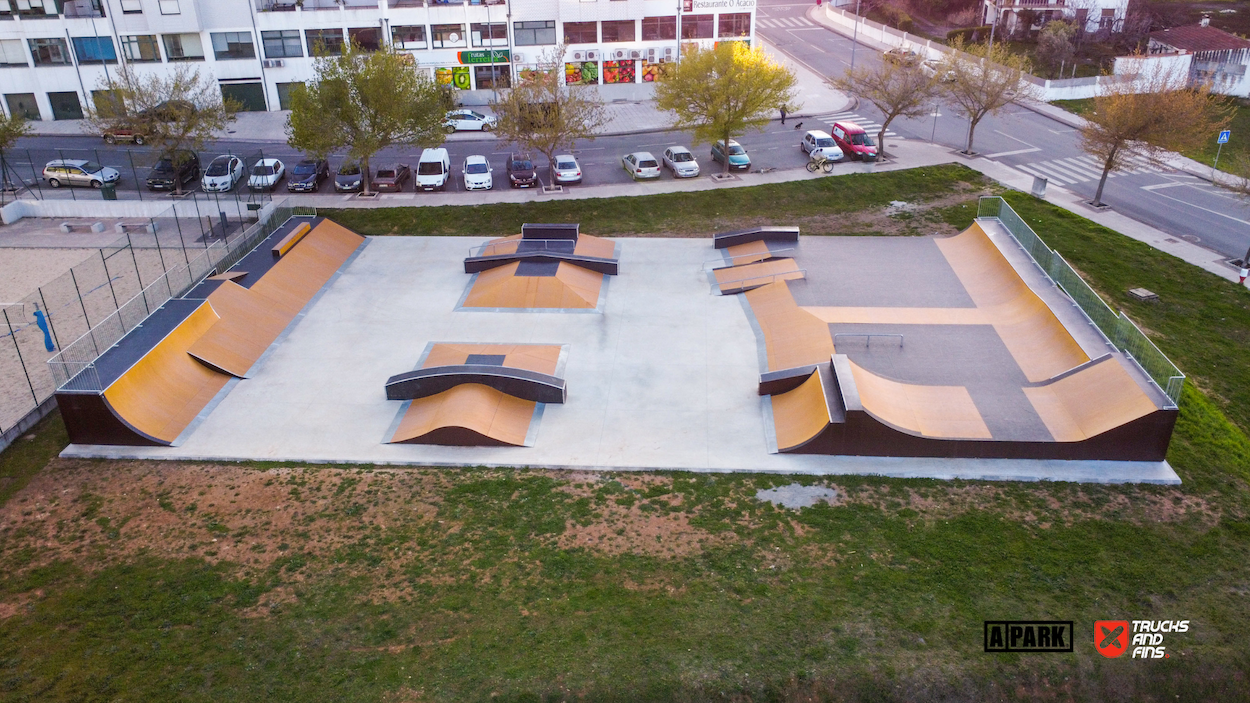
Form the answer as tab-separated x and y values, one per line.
1093	16
56	54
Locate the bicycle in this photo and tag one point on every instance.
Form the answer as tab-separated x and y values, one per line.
820	162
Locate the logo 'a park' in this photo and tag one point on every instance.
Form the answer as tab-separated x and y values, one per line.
1111	637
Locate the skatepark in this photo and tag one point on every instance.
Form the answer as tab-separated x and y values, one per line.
761	350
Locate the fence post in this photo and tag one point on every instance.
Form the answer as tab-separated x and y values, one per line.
107	277
48	311
20	360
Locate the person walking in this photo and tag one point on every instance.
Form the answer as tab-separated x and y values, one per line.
782	110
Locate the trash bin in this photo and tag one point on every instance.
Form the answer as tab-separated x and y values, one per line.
109	191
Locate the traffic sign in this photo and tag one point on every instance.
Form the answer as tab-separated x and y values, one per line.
1224	135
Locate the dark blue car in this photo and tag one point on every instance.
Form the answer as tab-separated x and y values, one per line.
307	175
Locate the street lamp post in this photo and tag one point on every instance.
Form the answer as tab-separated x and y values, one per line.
994	22
855	34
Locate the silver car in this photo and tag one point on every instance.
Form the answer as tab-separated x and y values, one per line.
565	169
681	162
78	172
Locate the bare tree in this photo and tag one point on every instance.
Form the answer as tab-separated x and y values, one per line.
986	79
1054	45
11	129
896	88
543	114
1168	115
175	111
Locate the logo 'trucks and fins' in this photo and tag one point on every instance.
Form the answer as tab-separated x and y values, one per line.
1111	637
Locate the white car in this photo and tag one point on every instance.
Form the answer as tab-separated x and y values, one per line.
433	170
460	120
681	162
566	169
223	174
641	164
266	174
816	143
478	174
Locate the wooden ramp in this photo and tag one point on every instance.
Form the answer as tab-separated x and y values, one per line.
800	415
467	415
542	358
743	277
792	336
945	412
572	287
1089	402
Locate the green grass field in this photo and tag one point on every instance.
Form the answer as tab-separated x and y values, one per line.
133	581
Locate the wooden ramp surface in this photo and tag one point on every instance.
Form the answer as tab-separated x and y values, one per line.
571	287
1089	402
743	277
164	391
541	358
469	414
586	245
945	412
748	253
800	414
792	336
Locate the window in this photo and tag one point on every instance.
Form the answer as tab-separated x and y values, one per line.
581	32
659	28
1107	20
619	31
130	7
233	45
183	47
534	33
696	27
408	37
140	48
284	96
13	53
735	25
94	50
367	38
489	34
447	35
327	41
282	44
492	77
170	7
49	52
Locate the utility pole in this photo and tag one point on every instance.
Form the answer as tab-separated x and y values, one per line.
855	35
994	23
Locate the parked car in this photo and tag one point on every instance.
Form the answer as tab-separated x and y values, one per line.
819	144
566	170
121	134
307	175
933	67
126	130
521	172
641	164
433	169
78	172
166	176
681	162
391	179
223	174
348	179
459	120
478	175
854	141
266	174
738	159
906	57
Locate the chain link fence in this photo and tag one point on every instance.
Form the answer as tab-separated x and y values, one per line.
1115	326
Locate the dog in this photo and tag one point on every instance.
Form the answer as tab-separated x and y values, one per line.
798	125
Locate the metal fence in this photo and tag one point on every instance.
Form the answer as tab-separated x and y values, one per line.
1115	326
80	314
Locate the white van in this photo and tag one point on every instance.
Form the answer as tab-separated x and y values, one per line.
433	169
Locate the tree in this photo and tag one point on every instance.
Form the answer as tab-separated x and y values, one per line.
176	111
11	129
719	93
543	114
896	88
986	79
1054	45
365	102
1168	115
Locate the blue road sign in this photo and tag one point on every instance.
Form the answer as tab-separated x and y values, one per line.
1224	136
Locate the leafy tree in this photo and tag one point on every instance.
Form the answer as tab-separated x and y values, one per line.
176	111
543	114
11	129
719	93
985	80
1168	115
896	88
1054	45
365	102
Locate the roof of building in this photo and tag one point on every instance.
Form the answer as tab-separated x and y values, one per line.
1198	38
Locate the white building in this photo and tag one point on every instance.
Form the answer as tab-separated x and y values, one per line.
55	53
1093	15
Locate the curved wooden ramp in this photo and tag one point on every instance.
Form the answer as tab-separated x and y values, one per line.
792	336
802	414
466	415
945	412
572	287
1093	400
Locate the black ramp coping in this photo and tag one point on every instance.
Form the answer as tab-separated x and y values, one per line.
722	240
537	268
560	246
259	260
558	230
118	359
520	383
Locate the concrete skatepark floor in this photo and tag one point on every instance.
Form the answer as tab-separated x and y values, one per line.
664	378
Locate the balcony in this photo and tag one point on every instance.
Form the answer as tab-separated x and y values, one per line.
1032	4
83	8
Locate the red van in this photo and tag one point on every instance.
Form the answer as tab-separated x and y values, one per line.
854	141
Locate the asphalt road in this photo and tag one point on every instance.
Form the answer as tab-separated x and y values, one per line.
1174	202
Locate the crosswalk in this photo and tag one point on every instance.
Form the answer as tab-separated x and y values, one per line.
784	22
870	126
1080	169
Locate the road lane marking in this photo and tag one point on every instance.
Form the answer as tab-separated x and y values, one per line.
1013	153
